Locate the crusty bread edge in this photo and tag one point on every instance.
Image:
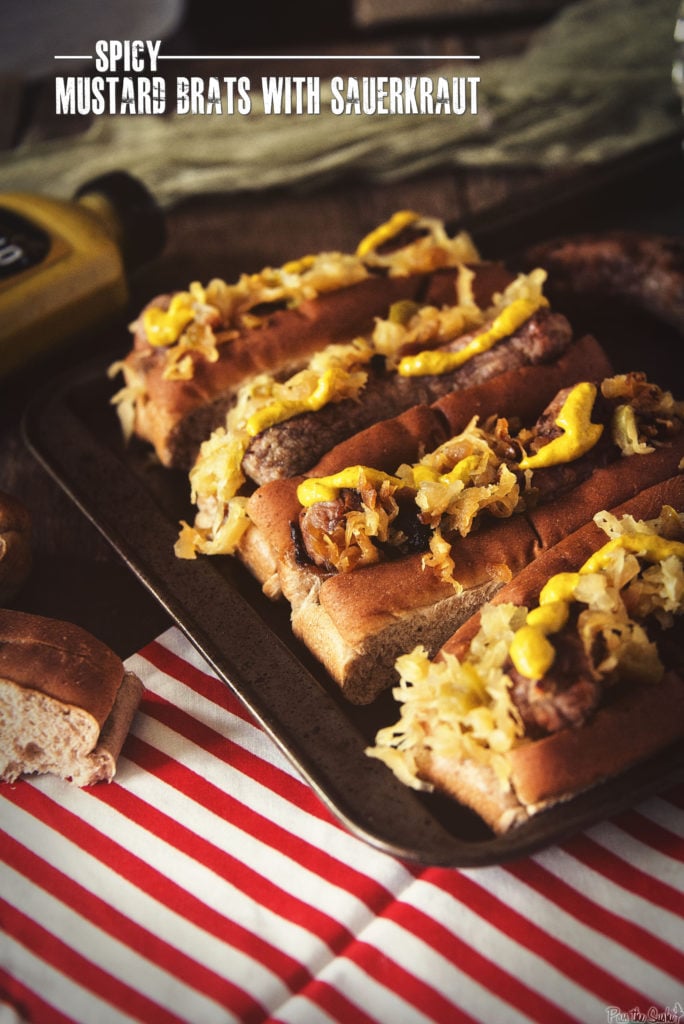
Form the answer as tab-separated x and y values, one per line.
364	670
60	659
105	756
638	724
257	555
84	767
632	727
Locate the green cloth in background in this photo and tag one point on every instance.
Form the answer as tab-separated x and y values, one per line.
594	83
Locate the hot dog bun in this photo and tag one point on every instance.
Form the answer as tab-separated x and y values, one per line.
194	350
66	702
358	620
635	718
176	415
521	393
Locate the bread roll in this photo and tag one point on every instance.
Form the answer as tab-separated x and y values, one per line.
66	701
634	720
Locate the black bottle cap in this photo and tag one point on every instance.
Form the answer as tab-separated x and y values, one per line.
142	221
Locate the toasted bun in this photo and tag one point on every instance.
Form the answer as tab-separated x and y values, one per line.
489	278
644	721
358	623
406	438
607	487
175	416
387	443
636	722
523	393
568	553
293	446
66	701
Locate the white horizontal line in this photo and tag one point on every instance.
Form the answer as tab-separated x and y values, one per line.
266	57
332	56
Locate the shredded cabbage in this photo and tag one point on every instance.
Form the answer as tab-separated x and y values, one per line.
463	709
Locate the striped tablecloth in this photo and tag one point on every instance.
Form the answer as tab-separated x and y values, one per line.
208	884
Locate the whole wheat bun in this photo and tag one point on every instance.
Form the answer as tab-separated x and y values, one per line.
637	722
175	416
521	393
357	623
557	769
15	546
66	702
573	549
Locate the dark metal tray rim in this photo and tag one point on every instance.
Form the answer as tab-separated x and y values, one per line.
282	694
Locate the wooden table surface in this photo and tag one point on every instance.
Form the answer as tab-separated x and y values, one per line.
76	575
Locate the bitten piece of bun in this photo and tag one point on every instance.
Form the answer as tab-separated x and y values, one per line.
15	546
66	701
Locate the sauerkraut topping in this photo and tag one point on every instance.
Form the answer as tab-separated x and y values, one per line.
484	469
215	480
450	487
510	310
348	541
610	583
463	709
202	318
430	247
335	373
125	400
646	414
332	375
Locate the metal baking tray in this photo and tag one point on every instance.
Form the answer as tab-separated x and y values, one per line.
136	504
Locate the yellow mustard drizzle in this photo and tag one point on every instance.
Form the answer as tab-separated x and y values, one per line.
163	327
300	265
651	547
462	471
435	361
326	488
579	433
384	232
531	651
282	409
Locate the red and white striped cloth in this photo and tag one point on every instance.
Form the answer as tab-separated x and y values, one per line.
207	884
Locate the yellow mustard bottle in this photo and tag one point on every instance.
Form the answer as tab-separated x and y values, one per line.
64	264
